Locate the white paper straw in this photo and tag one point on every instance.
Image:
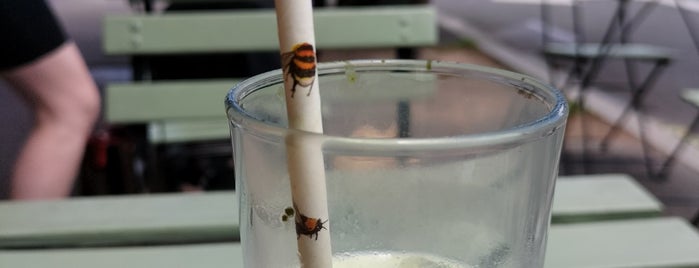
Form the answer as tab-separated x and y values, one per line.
304	157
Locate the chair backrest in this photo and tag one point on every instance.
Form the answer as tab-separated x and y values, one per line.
160	103
255	30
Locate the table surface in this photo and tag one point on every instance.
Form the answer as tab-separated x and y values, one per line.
641	242
212	216
654	242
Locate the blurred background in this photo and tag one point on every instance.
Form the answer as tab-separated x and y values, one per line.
509	34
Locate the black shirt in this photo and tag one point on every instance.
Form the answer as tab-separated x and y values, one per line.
28	30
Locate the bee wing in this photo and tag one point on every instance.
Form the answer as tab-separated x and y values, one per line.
286	60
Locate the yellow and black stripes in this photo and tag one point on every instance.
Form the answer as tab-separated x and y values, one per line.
300	65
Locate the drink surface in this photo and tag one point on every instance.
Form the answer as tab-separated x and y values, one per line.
393	260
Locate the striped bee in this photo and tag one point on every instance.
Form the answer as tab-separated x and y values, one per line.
300	64
308	226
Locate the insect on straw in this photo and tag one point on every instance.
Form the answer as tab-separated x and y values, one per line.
304	156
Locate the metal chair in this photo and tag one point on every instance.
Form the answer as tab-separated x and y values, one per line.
588	58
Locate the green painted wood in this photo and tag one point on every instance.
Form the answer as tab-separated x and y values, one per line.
212	216
655	242
120	220
157	103
151	101
620	51
228	255
602	197
192	110
658	242
255	30
174	131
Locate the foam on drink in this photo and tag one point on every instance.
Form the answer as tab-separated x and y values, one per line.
393	260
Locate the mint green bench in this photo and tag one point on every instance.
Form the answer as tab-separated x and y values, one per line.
190	111
182	111
256	30
602	197
110	231
221	255
654	242
212	216
120	220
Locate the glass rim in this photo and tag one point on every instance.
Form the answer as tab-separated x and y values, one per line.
540	127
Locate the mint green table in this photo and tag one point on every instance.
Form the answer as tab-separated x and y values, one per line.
212	216
602	197
654	242
120	220
609	223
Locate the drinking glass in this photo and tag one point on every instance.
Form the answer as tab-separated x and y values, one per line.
427	164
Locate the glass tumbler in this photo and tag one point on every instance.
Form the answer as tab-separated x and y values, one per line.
427	164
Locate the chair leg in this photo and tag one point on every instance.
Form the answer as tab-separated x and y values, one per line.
636	99
645	147
585	134
663	172
624	28
403	108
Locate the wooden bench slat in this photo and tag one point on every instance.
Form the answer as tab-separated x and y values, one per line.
190	32
391	26
655	242
620	51
173	131
212	216
658	242
149	101
602	197
117	220
188	110
201	255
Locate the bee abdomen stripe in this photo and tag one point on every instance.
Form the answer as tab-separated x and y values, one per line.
303	47
305	72
305	53
304	65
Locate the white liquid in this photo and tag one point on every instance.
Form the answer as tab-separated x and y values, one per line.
393	260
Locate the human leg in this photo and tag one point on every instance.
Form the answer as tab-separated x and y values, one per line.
66	103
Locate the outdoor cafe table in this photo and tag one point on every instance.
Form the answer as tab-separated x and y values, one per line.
610	221
668	242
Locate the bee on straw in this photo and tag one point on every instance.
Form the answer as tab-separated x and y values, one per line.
300	65
308	226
